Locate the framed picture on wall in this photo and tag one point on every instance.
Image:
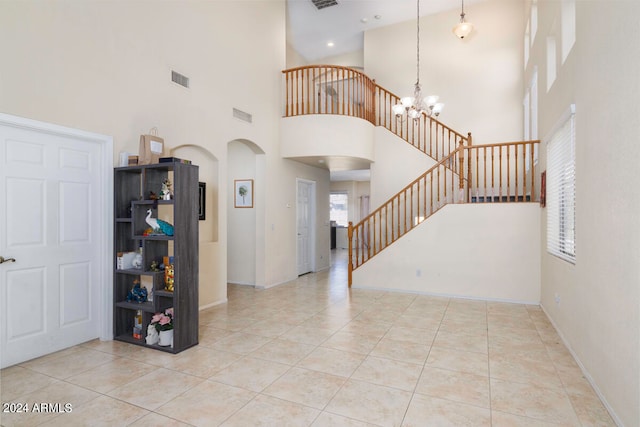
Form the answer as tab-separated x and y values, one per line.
243	193
202	200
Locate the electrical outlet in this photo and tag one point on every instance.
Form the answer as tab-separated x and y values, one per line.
557	299
418	272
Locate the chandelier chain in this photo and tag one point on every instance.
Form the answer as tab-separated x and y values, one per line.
418	42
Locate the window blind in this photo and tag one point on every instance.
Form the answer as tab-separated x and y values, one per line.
561	191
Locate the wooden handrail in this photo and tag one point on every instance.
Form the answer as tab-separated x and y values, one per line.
501	172
333	89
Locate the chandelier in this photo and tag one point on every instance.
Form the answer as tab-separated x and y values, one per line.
463	28
414	106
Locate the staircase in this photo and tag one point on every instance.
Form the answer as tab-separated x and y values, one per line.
464	173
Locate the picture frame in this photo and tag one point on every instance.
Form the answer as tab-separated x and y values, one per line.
202	200
243	193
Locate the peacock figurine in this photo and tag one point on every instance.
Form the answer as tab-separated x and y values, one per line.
158	225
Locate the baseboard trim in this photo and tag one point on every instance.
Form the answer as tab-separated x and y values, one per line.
586	374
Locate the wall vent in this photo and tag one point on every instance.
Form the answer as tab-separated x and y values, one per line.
321	4
180	79
245	117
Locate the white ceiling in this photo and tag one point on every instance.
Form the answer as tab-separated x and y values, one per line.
309	29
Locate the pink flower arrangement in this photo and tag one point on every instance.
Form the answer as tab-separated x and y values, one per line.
163	321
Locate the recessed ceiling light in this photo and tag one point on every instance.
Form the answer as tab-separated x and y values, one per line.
321	161
364	20
378	16
330	44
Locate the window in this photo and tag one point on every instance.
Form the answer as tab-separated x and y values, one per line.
339	209
568	27
561	190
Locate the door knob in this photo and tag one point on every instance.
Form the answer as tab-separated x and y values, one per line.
3	259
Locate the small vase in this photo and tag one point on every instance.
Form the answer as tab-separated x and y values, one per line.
166	338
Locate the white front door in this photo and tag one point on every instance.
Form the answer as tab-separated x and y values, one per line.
51	222
305	222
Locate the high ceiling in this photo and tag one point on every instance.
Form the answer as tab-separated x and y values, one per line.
309	29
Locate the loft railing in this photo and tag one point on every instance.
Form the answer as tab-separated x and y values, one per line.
503	172
495	173
330	89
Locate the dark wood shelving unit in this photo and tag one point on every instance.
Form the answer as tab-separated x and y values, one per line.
132	186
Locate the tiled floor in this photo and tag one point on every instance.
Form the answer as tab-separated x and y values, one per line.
313	352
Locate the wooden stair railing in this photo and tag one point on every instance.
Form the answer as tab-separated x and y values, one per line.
432	190
331	89
496	173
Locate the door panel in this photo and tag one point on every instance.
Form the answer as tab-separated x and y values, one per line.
50	296
304	213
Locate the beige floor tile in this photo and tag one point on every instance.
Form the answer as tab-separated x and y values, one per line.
154	420
17	381
415	320
207	404
241	343
111	375
413	335
588	407
156	388
375	404
117	348
266	411
464	326
461	341
323	321
209	335
533	368
202	362
545	404
327	419
283	351
458	360
307	335
389	373
251	374
74	362
360	327
332	361
268	328
461	387
309	388
401	350
502	419
102	411
431	411
233	324
351	342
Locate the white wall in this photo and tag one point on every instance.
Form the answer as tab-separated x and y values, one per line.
467	250
598	314
479	78
397	163
105	67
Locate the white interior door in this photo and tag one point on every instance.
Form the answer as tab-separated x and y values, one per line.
51	223
305	225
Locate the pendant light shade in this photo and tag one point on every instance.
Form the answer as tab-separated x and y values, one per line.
463	28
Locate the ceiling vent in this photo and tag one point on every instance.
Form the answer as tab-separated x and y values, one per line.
321	4
179	79
245	117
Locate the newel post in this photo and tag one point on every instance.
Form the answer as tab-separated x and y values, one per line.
350	237
461	169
